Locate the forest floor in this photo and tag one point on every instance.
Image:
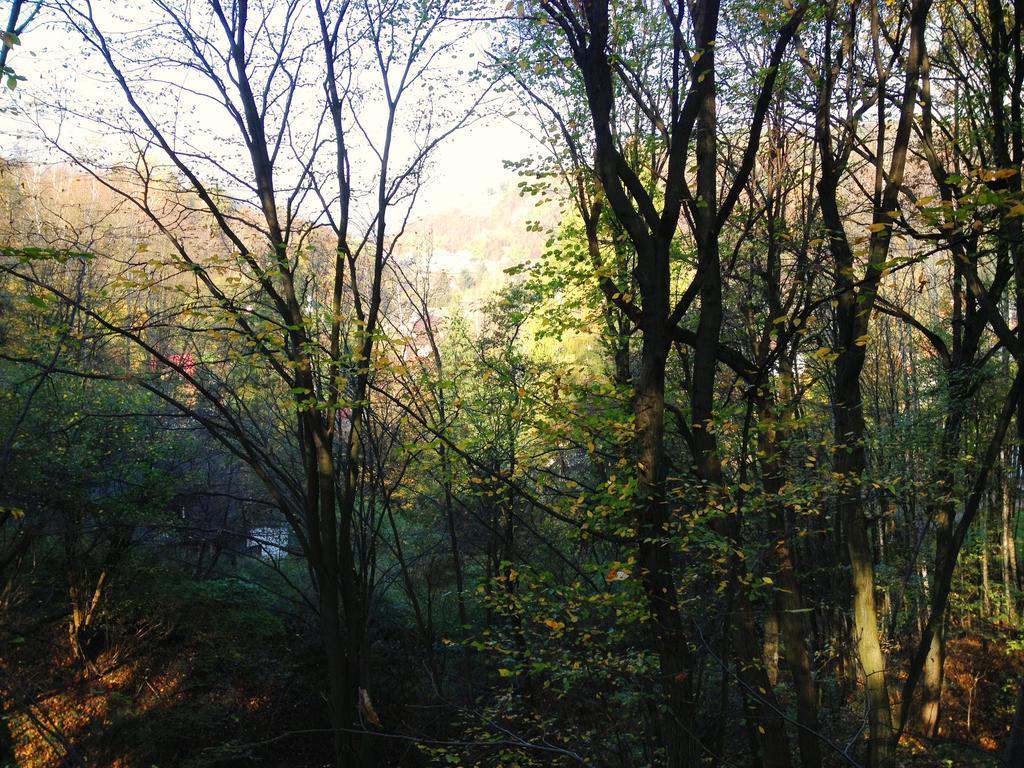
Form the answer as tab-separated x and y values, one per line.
207	683
978	696
175	696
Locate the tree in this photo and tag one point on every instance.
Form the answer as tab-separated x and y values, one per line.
952	161
282	160
650	195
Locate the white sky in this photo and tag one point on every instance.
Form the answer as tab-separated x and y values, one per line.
467	171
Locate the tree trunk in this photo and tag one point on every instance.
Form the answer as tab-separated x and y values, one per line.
850	464
853	308
1007	544
1014	523
986	586
932	674
770	648
654	557
790	606
770	728
1014	754
931	686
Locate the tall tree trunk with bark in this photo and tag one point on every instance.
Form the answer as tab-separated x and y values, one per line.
1006	541
853	310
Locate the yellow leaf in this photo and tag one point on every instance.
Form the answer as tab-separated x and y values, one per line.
877	226
505	672
616	573
861	341
1017	210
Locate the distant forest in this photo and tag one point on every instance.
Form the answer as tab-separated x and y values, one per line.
699	444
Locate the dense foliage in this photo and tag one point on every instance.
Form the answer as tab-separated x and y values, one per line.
702	448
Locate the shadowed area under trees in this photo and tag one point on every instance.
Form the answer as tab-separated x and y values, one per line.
697	443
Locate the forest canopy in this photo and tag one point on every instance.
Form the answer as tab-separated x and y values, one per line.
679	426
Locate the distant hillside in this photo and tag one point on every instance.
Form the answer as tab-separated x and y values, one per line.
478	243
